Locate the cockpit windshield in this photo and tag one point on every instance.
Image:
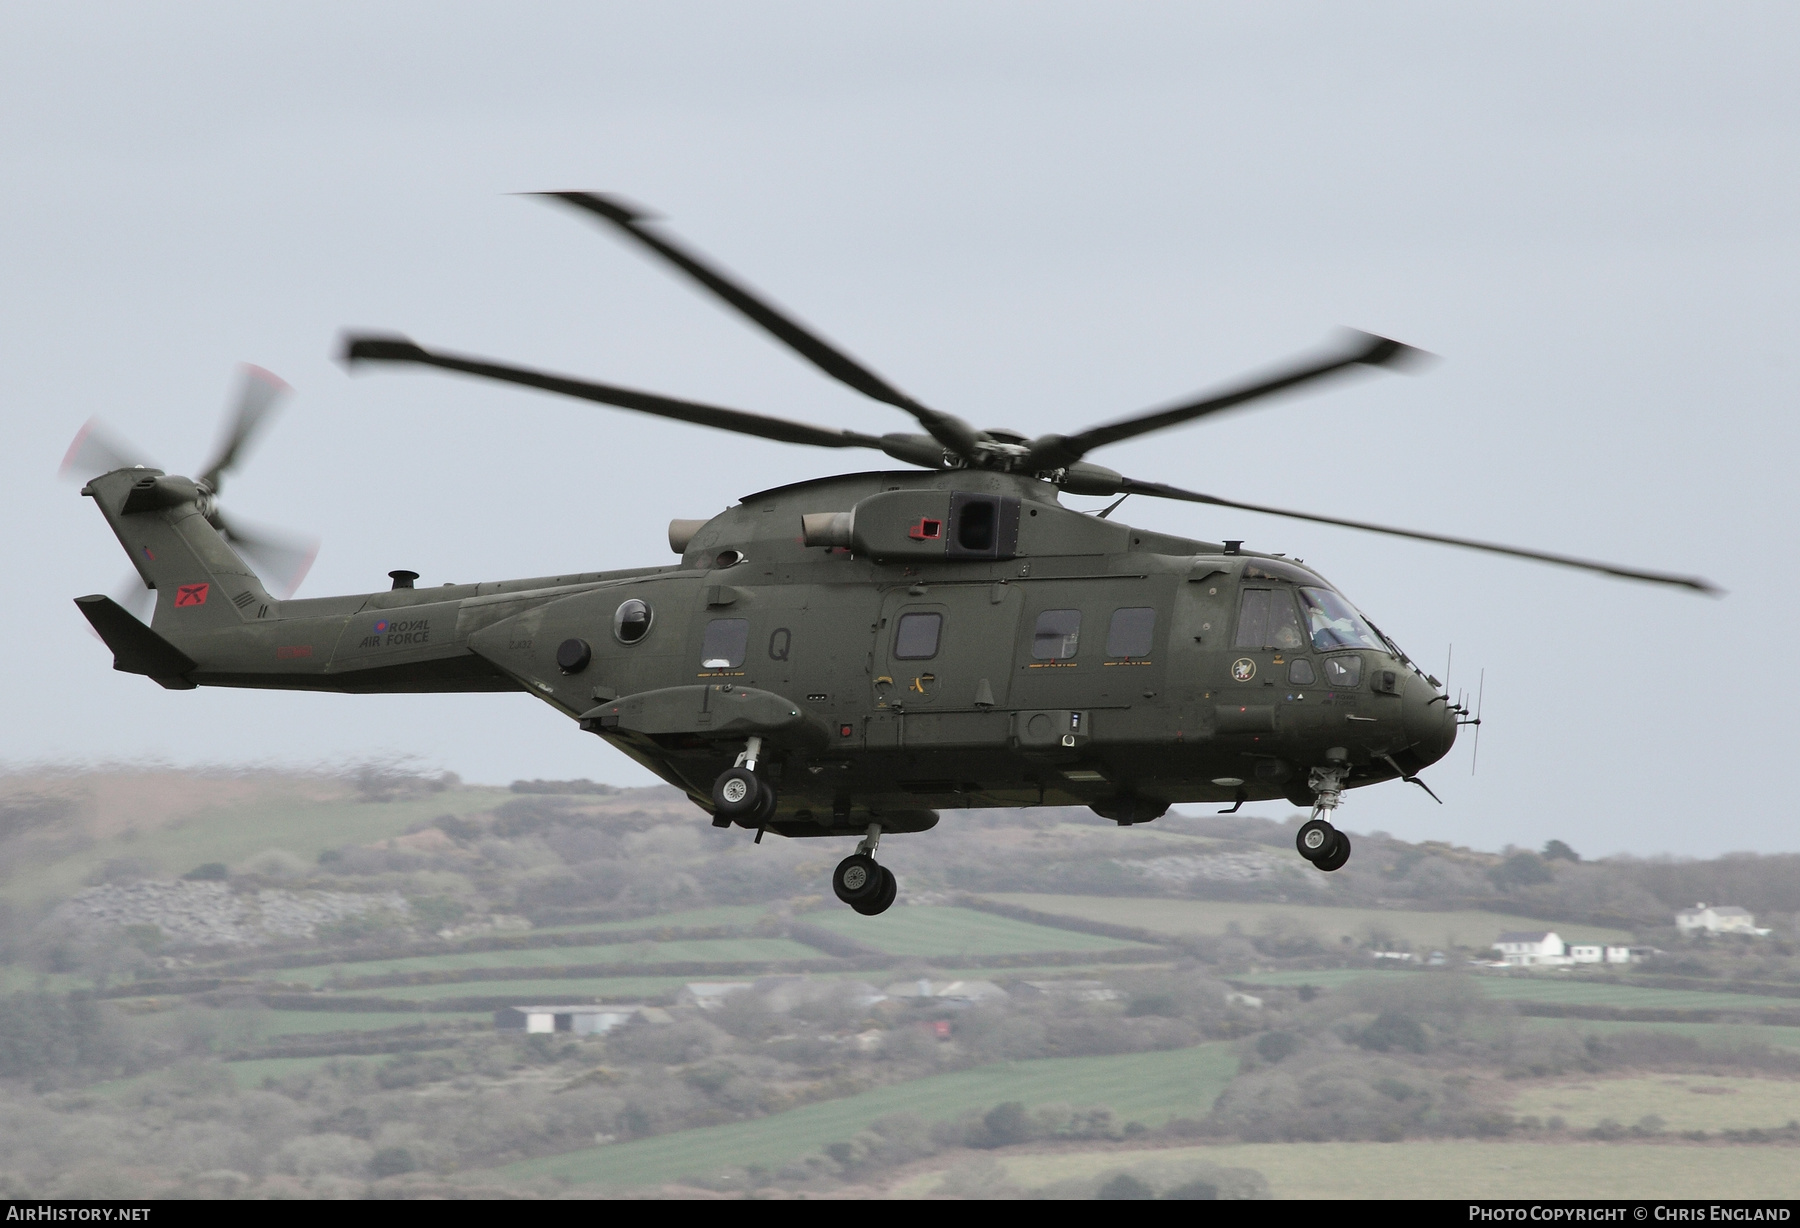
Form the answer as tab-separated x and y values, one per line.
1334	622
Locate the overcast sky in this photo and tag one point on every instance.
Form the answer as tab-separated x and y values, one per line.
1035	215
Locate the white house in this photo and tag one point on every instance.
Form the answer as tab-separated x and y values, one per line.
1532	949
709	995
578	1020
1716	919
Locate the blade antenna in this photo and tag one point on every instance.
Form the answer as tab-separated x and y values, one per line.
1480	694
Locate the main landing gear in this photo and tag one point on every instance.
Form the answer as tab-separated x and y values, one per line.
860	882
740	796
1317	840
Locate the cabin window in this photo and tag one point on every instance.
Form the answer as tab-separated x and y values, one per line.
916	636
1132	632
727	640
1334	622
631	621
1266	620
1300	673
1345	671
1057	636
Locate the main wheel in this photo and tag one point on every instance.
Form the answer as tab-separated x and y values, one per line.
883	899
737	793
1314	839
857	879
765	809
1337	857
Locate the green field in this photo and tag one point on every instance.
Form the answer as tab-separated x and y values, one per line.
1547	987
253	1072
1710	1035
946	933
721	950
692	918
1449	1170
240	1026
1331	925
1146	1087
232	834
574	989
1684	1102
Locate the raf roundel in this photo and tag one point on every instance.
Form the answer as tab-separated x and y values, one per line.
1243	669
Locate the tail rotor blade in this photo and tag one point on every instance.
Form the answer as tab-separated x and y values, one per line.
96	450
281	559
258	392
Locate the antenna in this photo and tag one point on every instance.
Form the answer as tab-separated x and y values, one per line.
1480	694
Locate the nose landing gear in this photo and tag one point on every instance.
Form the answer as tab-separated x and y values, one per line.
861	882
1317	840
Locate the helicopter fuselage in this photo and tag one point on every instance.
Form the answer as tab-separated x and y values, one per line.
896	644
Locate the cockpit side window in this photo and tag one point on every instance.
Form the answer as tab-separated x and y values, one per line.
1334	623
1266	620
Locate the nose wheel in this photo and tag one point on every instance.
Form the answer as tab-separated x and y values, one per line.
1322	844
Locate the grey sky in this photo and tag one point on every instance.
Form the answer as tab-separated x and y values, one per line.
1037	216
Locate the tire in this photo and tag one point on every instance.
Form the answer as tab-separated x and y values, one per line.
1337	857
765	810
737	793
884	899
1314	839
857	879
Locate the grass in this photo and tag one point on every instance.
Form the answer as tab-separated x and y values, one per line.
721	950
1332	925
950	932
233	834
253	1072
1450	1170
1684	1102
1146	1087
1551	988
241	1026
693	918
575	989
1710	1035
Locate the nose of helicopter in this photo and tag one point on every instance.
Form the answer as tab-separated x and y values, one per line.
1430	723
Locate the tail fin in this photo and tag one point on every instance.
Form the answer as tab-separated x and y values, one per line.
201	584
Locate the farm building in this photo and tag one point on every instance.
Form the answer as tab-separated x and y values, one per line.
1598	953
1716	919
579	1020
952	993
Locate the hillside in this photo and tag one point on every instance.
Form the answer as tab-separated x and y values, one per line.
278	984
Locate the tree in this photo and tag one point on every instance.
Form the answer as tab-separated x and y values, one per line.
1556	850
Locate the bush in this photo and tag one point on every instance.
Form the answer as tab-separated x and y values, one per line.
1392	1030
1273	1046
1126	1187
392	1161
208	872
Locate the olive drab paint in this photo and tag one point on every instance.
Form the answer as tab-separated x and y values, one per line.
851	655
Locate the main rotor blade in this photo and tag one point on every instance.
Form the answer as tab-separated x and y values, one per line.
1360	350
281	559
96	450
400	349
955	434
1540	556
258	392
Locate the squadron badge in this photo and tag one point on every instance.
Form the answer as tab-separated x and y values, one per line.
1243	669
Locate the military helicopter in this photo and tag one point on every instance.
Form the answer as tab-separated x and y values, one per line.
848	656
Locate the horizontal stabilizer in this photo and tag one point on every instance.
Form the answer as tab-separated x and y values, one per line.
136	648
